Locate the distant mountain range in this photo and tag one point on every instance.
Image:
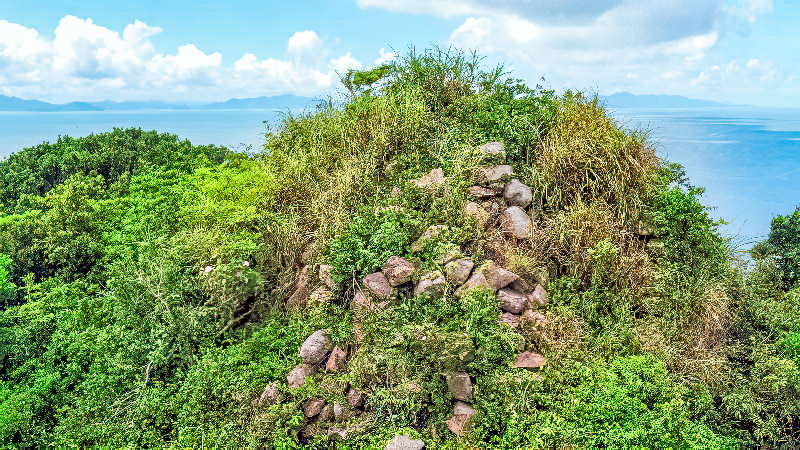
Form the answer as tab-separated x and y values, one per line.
272	103
628	100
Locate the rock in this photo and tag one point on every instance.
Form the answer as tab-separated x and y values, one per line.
378	284
476	213
382	209
299	298
534	318
432	232
326	415
315	347
529	360
521	285
483	192
403	442
337	411
325	276
512	301
495	174
355	398
297	376
309	253
431	285
458	271
395	192
538	297
497	277
511	320
644	229
321	295
517	194
476	280
451	254
462	413
390	168
515	221
337	361
397	270
270	394
494	150
313	407
432	180
337	433
460	386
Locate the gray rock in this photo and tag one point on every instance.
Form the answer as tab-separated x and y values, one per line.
395	192
299	298
355	398
512	301
496	174
492	148
313	407
477	213
497	276
270	394
511	320
515	221
643	228
337	361
484	192
476	280
432	180
460	386
431	285
517	194
451	254
320	295
378	285
325	276
538	297
297	376
315	347
432	232
522	285
462	413
397	270
458	271
337	411
534	318
326	414
529	360
403	442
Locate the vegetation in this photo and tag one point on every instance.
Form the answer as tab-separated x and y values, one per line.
145	282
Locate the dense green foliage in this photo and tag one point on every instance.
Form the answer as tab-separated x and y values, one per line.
145	282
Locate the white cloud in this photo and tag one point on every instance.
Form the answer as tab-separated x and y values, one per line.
303	41
385	57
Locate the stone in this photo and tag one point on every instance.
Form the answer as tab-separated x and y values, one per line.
451	254
496	276
320	295
378	285
313	407
538	297
431	233
495	174
460	386
299	298
484	192
517	194
337	361
297	376
516	222
325	276
432	180
307	258
326	414
315	347
476	280
337	433
458	271
390	208
431	284
642	228
511	320
522	285
492	149
403	442
390	168
270	394
395	192
462	413
355	398
397	270
477	213
337	411
512	301
529	360
534	318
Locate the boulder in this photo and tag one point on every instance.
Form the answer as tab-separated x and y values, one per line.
477	213
355	398
462	413
460	386
378	285
325	276
432	180
484	192
495	174
403	442
517	194
493	150
512	301
534	318
451	254
458	271
337	361
476	280
320	295
326	415
529	360
496	276
431	285
297	376
522	285
511	320
397	270
515	221
313	407
270	394
315	347
337	411
299	298
538	297
432	232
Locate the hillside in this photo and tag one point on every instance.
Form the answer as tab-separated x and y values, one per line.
18	104
442	258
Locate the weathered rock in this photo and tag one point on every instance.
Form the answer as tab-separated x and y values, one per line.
403	442
496	276
315	347
378	285
432	232
390	168
395	192
643	228
337	361
529	360
299	298
326	415
337	411
477	213
337	433
309	253
515	221
313	407
493	149
476	280
538	297
325	276
462	413
431	284
320	295
495	174
484	192
355	398
517	194
432	180
397	270
451	254
511	320
297	376
521	285
512	301
460	386
270	394
458	271
534	318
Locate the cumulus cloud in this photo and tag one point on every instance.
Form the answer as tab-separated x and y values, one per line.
88	62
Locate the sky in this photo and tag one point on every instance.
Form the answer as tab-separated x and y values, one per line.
736	51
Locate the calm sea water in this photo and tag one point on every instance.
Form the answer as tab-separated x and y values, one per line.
748	159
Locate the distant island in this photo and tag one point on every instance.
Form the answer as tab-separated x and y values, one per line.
18	104
272	103
628	100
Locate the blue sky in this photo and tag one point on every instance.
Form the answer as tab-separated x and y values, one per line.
736	51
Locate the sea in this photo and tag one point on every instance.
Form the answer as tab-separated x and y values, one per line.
747	158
